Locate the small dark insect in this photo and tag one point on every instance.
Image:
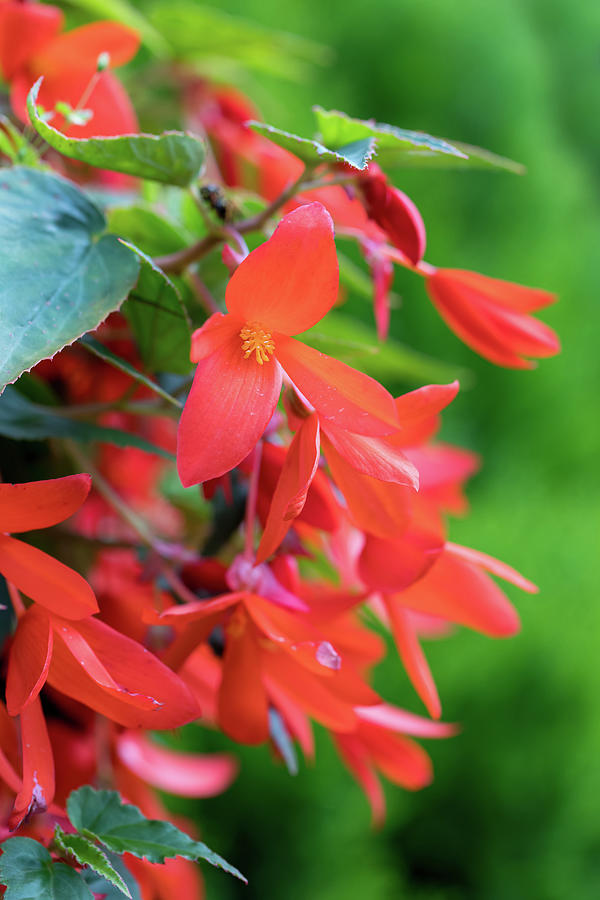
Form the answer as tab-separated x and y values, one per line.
215	197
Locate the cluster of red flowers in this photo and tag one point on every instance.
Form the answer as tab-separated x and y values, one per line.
252	639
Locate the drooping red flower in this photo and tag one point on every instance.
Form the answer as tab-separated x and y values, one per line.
40	504
493	316
31	45
394	212
282	288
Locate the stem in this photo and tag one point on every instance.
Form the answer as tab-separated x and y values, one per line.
235	236
251	503
207	299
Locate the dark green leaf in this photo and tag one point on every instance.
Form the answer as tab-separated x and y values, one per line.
27	870
397	147
172	157
159	320
22	420
118	362
209	37
108	891
123	829
88	854
356	152
61	276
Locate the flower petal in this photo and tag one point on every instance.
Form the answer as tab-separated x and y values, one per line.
46	580
395	719
291	281
299	468
493	566
37	791
242	705
184	774
356	758
226	413
412	656
513	296
29	661
81	47
340	394
40	504
24	30
215	332
393	565
374	456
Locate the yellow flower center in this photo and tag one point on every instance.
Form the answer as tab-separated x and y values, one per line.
258	341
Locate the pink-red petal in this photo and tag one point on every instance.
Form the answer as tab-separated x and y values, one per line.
24	30
29	660
37	791
40	504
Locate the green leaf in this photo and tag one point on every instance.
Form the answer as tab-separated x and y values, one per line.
107	355
107	890
15	145
355	153
349	341
122	828
22	420
159	320
151	233
88	854
61	276
172	157
397	147
205	35
27	870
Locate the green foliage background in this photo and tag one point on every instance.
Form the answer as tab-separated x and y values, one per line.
514	811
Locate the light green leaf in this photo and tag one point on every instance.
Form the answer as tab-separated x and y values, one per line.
397	147
159	320
122	828
15	145
150	232
61	275
349	340
206	35
88	854
27	870
355	153
22	420
172	157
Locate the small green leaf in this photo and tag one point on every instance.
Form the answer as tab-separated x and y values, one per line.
151	233
27	870
61	275
107	355
88	854
159	320
349	341
122	828
397	147
356	152
22	420
15	145
172	157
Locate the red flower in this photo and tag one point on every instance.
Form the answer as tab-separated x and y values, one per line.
40	504
282	288
492	316
394	212
31	45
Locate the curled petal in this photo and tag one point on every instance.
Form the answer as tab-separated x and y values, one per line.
291	281
29	661
299	468
184	774
37	791
46	580
339	394
226	413
40	504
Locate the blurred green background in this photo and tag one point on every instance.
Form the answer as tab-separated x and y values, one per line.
514	811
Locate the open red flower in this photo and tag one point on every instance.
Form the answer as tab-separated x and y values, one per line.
40	504
31	45
492	316
282	288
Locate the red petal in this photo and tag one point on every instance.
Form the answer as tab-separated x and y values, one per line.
357	760
290	282
492	565
400	759
461	593
215	332
134	669
418	410
40	504
339	393
377	457
506	293
396	214
81	47
184	774
288	501
226	413
413	657
392	565
24	29
30	655
46	580
394	719
37	791
242	707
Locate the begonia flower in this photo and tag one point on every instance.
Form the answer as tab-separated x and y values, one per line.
40	504
394	212
493	316
282	288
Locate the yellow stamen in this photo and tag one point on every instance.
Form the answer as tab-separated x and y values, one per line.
258	341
